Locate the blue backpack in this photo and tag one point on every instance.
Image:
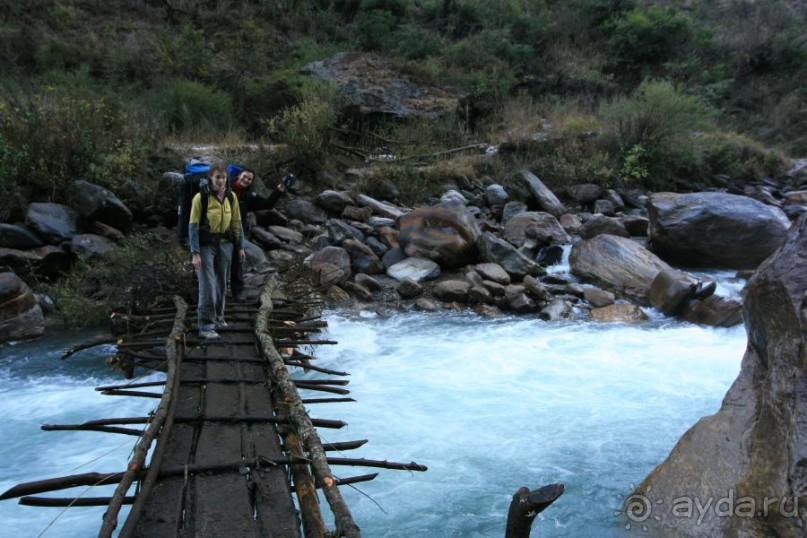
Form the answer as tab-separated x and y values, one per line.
233	171
194	179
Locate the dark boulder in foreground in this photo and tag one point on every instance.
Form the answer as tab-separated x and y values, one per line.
95	203
749	460
53	222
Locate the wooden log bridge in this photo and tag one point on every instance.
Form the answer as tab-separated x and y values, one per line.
233	451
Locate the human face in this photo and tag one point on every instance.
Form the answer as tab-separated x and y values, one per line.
219	180
245	179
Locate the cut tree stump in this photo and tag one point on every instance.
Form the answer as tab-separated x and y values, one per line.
526	505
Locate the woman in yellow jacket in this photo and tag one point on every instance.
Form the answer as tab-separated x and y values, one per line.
212	239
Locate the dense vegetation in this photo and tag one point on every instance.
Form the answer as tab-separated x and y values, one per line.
671	89
653	94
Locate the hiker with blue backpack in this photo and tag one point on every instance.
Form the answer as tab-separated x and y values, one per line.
241	183
214	232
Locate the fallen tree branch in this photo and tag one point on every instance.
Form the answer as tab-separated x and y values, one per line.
97	341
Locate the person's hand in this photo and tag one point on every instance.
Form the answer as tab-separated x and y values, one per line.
242	255
196	260
280	187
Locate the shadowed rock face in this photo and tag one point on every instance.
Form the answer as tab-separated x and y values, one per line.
750	458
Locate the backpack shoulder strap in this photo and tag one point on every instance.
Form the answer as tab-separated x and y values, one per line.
203	194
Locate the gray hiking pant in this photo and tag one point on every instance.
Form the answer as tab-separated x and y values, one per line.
213	277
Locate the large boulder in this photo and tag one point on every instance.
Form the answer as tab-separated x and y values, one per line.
95	203
452	290
493	272
362	258
545	197
49	261
265	238
18	236
619	312
380	208
90	246
534	228
445	233
334	201
256	257
21	316
306	211
671	291
339	231
415	269
714	310
498	251
585	194
751	454
53	222
618	264
600	224
331	265
388	91
714	229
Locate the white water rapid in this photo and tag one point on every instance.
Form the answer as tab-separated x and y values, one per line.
488	405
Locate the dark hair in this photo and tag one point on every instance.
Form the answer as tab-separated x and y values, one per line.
217	166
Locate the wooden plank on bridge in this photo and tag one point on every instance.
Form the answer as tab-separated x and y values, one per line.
249	502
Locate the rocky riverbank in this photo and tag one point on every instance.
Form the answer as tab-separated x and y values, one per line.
478	245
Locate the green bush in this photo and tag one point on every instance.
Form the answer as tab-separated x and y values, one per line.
414	186
13	161
69	129
137	272
194	108
185	54
56	54
132	61
457	19
64	16
654	130
574	159
641	39
598	12
120	162
304	129
375	29
396	8
414	43
739	157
